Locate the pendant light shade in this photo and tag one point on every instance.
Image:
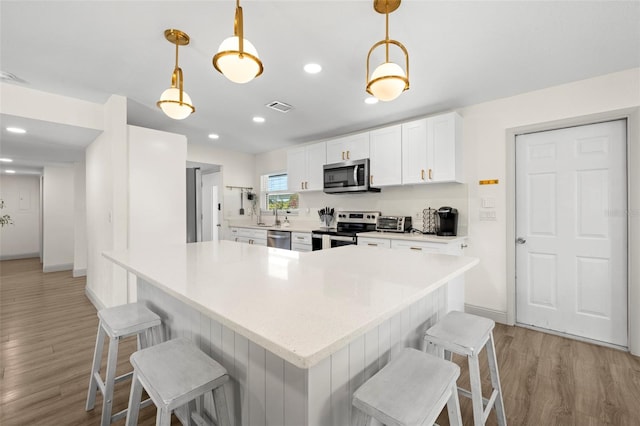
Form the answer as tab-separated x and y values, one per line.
237	58
388	80
174	101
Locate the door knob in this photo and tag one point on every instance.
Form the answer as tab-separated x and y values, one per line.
520	240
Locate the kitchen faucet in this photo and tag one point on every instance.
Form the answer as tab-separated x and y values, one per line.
277	223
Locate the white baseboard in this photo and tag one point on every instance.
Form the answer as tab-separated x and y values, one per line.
19	256
497	316
93	298
80	272
58	268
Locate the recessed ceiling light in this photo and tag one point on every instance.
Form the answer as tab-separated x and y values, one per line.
313	68
16	130
6	160
371	100
258	119
214	136
10	171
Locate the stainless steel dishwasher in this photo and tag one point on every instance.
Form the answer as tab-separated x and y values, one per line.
279	239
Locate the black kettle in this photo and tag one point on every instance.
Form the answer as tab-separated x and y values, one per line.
447	225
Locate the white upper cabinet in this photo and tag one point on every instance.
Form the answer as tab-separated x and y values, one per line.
352	147
304	167
414	151
385	149
432	149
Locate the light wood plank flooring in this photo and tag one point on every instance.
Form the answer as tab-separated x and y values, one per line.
47	335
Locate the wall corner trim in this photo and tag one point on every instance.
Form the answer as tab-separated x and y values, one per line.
80	272
93	298
497	316
58	268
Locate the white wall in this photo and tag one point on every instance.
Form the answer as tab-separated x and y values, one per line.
485	146
238	169
157	188
106	197
58	219
25	102
21	195
80	225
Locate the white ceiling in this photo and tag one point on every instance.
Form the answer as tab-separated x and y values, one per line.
461	53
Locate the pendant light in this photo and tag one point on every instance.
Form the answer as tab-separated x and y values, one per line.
388	80
237	59
174	101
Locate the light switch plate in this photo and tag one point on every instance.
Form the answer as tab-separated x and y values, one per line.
488	202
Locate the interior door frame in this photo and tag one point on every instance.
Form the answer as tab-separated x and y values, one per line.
632	115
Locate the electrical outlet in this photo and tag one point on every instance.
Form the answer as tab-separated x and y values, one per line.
488	216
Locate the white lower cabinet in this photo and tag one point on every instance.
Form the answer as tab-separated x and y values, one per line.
301	241
427	247
250	236
374	242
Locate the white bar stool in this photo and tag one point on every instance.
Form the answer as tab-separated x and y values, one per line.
175	373
467	334
410	390
116	323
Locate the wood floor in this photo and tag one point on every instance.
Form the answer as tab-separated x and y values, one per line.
47	335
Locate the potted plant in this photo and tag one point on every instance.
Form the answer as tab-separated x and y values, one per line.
4	219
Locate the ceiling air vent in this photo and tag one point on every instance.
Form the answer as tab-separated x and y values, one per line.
279	106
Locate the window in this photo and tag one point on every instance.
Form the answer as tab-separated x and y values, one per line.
276	195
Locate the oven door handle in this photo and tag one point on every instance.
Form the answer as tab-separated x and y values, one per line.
339	238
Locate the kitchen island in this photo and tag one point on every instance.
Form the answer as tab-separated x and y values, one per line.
298	332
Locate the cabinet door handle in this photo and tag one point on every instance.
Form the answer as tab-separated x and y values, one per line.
343	155
422	174
430	174
348	155
301	185
370	179
416	248
372	244
306	185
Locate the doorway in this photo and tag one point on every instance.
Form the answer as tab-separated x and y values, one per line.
204	202
571	231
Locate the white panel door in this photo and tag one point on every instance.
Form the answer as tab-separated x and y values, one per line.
571	229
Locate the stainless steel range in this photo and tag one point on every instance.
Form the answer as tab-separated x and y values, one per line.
348	224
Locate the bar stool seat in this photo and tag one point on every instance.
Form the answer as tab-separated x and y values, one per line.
116	323
175	373
410	390
467	334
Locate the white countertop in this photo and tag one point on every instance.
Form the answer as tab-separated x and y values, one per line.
290	228
300	306
410	236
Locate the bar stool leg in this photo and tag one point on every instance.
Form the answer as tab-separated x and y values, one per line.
95	368
163	417
453	407
112	361
220	403
476	390
134	401
495	381
361	419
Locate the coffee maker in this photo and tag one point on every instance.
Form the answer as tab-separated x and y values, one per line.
447	222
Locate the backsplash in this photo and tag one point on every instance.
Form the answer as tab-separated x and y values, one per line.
393	201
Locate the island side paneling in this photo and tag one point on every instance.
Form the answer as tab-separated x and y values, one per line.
267	390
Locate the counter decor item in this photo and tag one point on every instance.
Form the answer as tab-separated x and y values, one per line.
429	221
326	216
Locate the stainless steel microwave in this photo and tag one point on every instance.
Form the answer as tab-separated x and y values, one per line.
348	176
